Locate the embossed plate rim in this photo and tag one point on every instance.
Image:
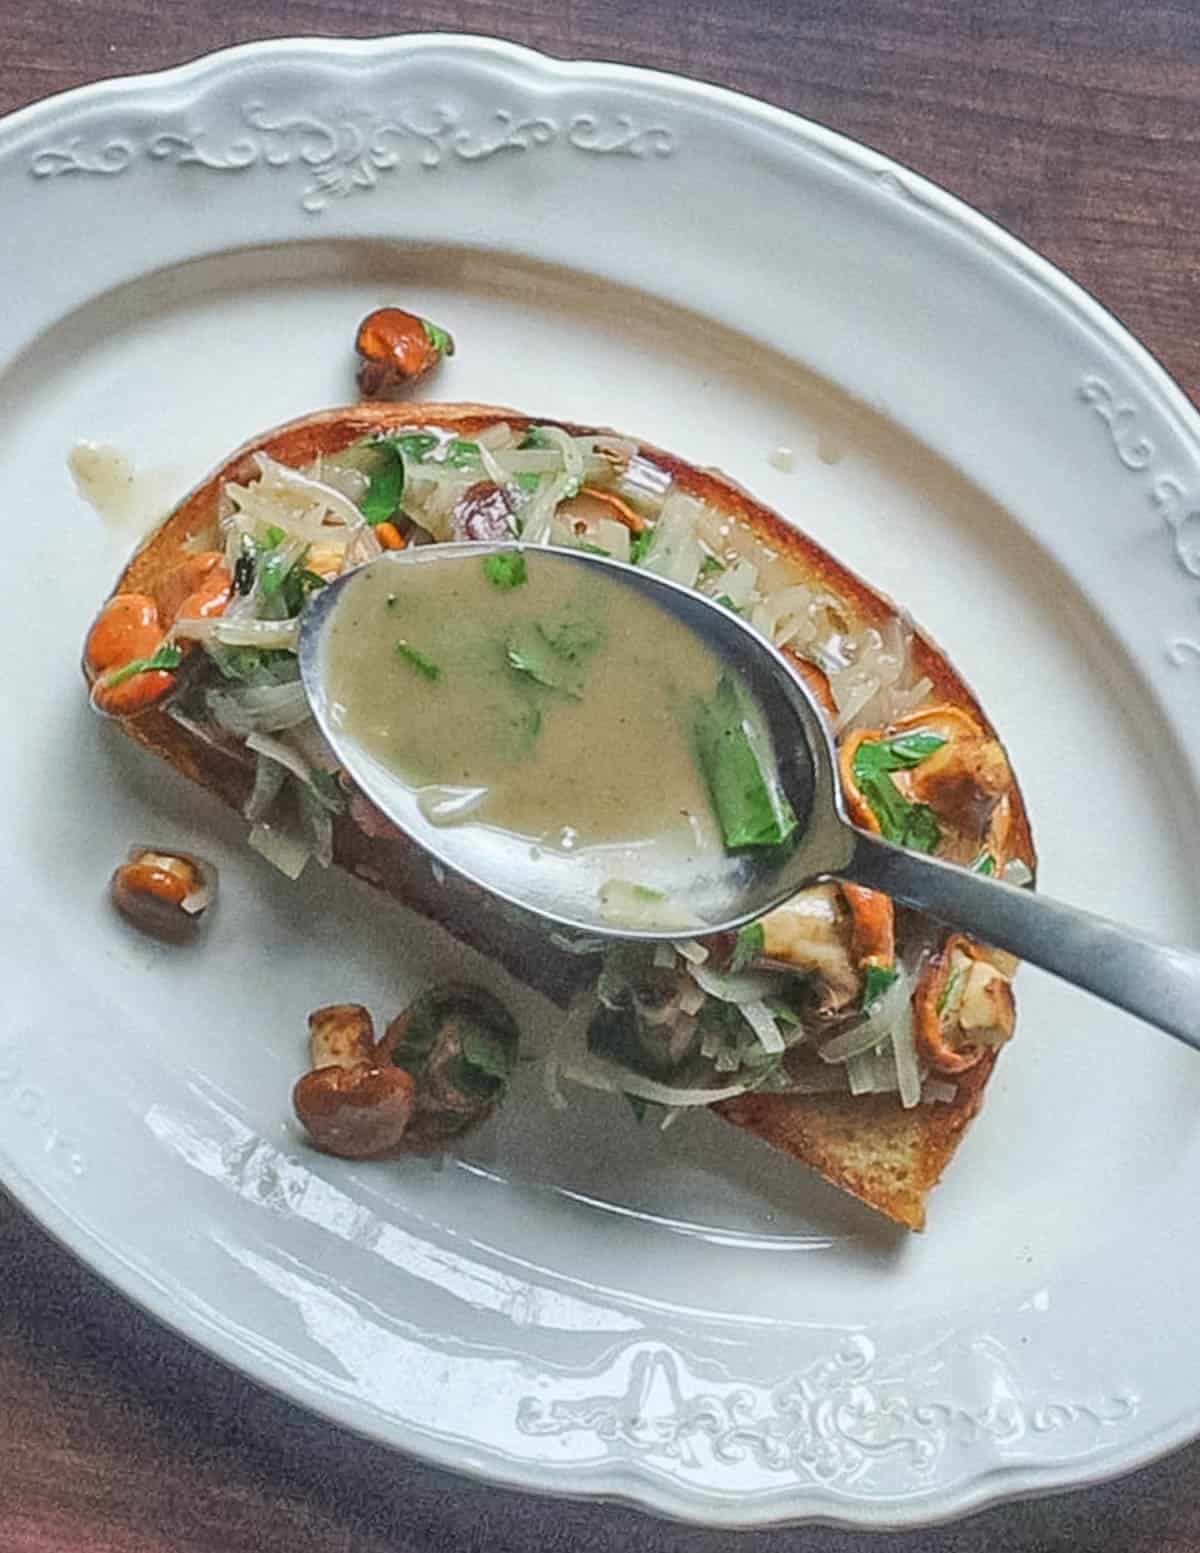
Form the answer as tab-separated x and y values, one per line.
629	1479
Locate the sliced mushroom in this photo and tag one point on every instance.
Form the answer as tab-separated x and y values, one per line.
963	1004
813	933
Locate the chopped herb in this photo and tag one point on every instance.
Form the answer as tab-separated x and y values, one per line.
574	639
879	979
643	892
391	601
639	546
386	488
742	782
284	584
417	445
418	660
462	455
329	791
711	566
985	863
590	549
535	437
438	338
908	824
528	481
555	656
723	598
255	665
166	658
275	536
783	1013
637	1105
506	570
951	990
748	945
488	1053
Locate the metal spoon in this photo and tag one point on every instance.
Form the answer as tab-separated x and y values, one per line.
1158	983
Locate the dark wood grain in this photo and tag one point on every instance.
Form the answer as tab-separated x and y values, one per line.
1075	124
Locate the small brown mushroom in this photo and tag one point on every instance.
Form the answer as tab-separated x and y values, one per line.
460	1043
355	1111
395	348
165	894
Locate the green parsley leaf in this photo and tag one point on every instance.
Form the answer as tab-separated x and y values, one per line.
639	546
879	979
951	990
748	946
527	480
506	570
985	863
912	825
165	658
417	445
723	598
742	782
438	338
711	566
488	1053
255	665
462	455
535	437
418	660
644	892
554	656
783	1013
386	488
275	536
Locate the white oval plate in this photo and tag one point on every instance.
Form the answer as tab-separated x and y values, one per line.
684	1321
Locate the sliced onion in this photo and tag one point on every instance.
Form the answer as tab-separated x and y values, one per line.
743	987
675	551
283	754
904	1053
279	634
1016	871
269	777
248	709
691	1000
285	852
739	583
314	492
758	1016
892	1008
860	1073
691	950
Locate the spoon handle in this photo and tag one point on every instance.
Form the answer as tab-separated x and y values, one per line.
1156	982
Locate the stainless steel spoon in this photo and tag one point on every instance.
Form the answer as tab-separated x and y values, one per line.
1158	983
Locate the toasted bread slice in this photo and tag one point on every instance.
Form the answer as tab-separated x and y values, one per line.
868	1145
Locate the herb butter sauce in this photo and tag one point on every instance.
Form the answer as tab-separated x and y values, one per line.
559	707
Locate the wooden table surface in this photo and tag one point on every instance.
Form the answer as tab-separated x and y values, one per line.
1072	122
